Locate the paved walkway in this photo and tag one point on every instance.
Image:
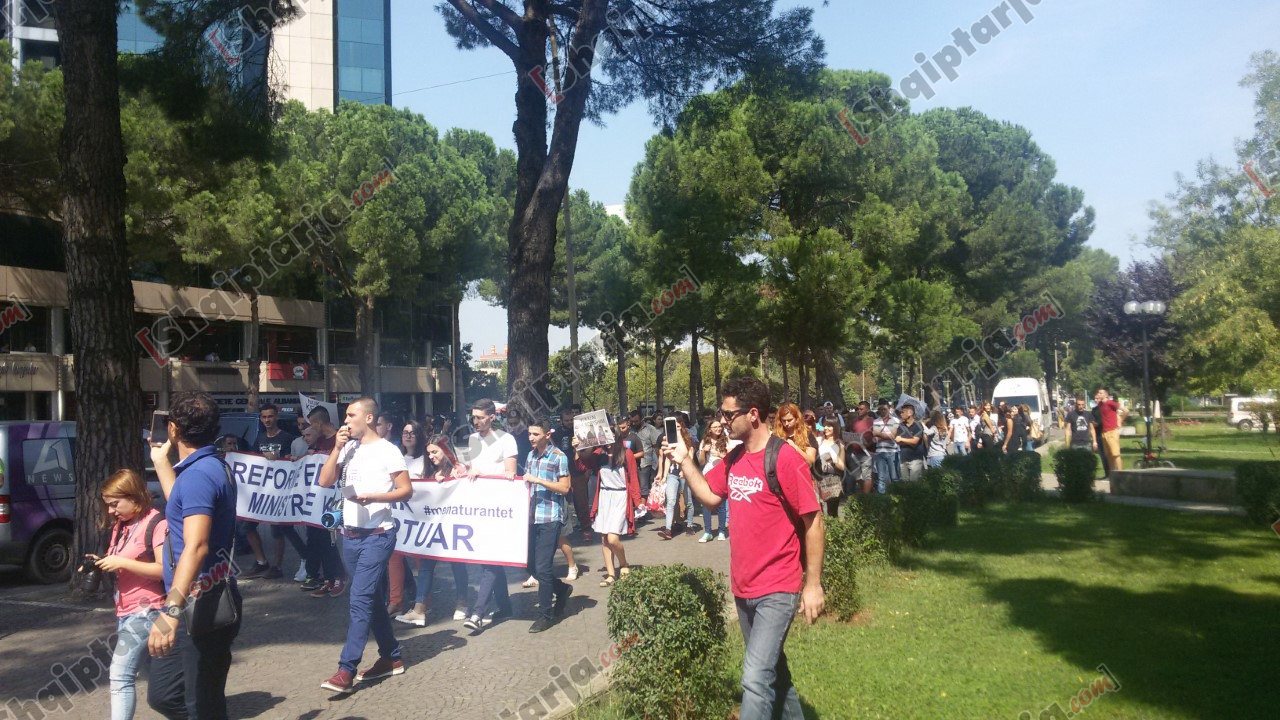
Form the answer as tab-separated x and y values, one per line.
1103	487
290	643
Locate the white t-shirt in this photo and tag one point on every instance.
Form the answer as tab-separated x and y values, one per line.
416	466
368	469
487	455
975	425
960	430
613	478
298	448
827	449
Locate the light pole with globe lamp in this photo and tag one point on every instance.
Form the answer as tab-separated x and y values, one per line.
1144	311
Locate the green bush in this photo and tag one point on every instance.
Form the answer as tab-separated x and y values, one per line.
916	501
669	622
980	475
882	515
846	552
1258	486
945	484
1075	470
1020	477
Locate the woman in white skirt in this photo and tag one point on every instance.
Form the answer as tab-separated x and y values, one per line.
613	510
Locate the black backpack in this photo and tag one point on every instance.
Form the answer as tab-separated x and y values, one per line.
771	450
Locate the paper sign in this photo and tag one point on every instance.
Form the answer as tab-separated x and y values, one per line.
593	429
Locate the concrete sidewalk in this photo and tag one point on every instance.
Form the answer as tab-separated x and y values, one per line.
290	643
1049	482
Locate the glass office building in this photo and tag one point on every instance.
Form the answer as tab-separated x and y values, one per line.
364	50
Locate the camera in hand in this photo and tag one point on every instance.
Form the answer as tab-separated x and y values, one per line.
91	576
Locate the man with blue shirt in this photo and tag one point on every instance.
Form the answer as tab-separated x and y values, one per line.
547	472
189	672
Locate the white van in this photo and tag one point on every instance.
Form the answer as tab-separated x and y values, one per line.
1243	412
1024	390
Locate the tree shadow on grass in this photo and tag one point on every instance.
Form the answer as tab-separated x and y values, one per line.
1199	650
1131	534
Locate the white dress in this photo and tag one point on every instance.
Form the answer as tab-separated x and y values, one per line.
611	510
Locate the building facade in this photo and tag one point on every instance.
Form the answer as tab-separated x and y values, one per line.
304	347
333	50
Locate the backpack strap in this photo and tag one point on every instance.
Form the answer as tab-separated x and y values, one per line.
168	547
148	552
771	451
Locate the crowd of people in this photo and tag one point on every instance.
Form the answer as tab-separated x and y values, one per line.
716	464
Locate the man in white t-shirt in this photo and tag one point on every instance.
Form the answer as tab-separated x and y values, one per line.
489	452
372	475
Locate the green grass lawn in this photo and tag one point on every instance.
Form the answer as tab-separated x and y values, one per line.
1015	609
1209	446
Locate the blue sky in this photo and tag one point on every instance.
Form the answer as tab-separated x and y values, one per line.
1122	95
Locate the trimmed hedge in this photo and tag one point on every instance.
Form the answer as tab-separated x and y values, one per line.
882	515
980	475
1021	477
846	552
1075	470
1258	486
669	622
927	504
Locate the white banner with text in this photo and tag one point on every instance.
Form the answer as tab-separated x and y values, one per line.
485	520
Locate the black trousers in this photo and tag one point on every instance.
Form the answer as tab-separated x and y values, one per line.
190	683
323	560
544	540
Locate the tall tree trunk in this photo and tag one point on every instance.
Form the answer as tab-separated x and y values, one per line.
619	336
573	301
542	182
804	383
459	388
365	344
828	379
715	368
786	380
91	152
255	352
695	377
660	355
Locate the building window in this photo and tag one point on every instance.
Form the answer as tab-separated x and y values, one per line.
362	48
30	335
289	345
189	339
135	36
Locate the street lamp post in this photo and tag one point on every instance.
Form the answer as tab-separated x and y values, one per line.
1144	311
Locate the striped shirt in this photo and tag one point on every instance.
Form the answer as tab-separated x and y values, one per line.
552	464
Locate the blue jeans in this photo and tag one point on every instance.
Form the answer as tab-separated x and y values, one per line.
675	486
131	648
767	692
886	465
492	587
934	461
722	513
544	538
366	559
961	448
426	579
646	480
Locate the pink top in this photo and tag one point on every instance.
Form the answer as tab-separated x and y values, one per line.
135	593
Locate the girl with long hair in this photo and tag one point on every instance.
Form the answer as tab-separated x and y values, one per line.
712	450
831	465
790	426
613	508
446	467
413	442
136	555
940	435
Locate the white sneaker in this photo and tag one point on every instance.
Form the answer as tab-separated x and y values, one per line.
706	537
301	574
572	574
722	537
531	582
459	615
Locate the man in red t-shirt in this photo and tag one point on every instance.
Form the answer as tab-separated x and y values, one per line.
1112	414
765	571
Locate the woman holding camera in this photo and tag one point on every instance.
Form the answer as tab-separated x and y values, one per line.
137	541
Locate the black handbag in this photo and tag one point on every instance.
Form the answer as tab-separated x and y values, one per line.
211	606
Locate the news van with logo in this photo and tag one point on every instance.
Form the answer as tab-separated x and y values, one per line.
37	497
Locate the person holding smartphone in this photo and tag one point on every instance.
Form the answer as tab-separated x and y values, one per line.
136	548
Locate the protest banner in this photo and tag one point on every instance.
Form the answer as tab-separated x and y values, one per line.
485	520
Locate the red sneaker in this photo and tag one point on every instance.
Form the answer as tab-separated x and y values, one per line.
340	682
337	587
384	667
322	591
